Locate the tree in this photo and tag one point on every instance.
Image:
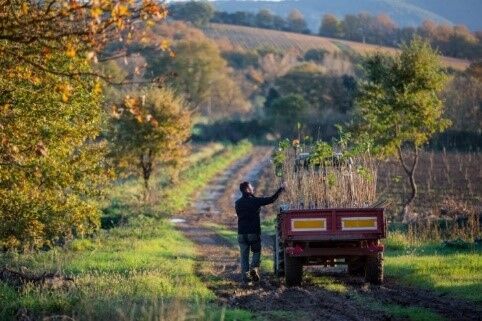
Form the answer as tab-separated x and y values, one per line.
330	26
51	156
33	31
199	13
200	72
51	167
296	22
463	101
285	113
315	55
399	104
265	19
150	129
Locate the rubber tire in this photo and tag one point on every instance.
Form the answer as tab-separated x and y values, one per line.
293	270
356	266
278	257
374	269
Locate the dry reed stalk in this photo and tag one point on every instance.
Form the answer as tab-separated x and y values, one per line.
329	186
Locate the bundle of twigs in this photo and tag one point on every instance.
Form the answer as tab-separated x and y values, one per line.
336	182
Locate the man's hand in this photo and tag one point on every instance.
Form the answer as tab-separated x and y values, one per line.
283	186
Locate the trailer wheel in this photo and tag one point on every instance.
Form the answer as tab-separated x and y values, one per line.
293	270
374	269
356	266
278	257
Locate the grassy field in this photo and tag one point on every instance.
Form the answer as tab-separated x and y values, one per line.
435	266
252	38
144	270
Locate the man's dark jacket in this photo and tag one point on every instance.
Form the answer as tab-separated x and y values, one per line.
248	208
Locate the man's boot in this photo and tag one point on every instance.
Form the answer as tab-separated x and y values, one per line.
254	273
246	278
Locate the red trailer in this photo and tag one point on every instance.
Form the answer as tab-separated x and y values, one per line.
329	237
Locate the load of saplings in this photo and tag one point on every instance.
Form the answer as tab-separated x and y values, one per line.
322	175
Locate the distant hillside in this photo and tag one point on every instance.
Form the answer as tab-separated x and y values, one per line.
252	38
404	12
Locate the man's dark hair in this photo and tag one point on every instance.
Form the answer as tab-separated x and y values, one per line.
243	187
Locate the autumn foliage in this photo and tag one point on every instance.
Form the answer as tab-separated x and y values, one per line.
52	161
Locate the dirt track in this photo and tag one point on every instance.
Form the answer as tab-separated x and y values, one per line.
219	268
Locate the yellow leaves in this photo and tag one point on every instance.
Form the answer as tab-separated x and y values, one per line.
24	8
165	44
96	12
35	80
65	90
119	12
122	10
97	88
70	50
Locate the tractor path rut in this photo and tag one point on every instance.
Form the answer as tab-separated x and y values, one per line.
326	294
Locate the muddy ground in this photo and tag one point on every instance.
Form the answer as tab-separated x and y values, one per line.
314	300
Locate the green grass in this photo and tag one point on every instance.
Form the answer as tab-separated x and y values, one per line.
144	270
457	272
128	265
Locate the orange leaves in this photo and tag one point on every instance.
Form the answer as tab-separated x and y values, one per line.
74	4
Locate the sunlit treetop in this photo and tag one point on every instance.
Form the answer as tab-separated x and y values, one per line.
31	31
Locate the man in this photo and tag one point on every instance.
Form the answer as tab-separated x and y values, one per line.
248	208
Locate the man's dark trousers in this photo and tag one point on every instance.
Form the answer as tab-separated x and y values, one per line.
249	242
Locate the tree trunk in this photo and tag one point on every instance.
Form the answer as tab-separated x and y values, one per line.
146	165
410	172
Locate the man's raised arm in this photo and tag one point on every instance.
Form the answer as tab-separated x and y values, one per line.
271	199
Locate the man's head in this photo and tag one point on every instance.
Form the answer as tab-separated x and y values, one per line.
246	188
